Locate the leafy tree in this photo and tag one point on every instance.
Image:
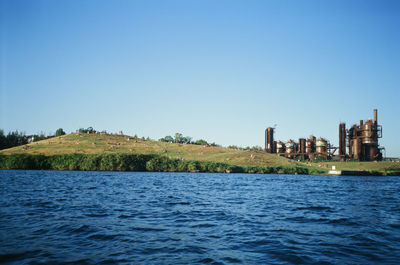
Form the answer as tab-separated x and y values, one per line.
39	137
178	137
60	132
187	139
88	130
167	139
201	142
256	148
12	139
2	140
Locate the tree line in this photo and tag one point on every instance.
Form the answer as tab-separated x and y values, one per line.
179	138
16	138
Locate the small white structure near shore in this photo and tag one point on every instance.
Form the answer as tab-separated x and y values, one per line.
335	172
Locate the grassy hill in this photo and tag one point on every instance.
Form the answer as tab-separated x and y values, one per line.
96	144
90	144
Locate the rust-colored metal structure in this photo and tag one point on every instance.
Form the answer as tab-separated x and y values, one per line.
321	148
269	140
342	141
290	149
302	146
280	147
310	145
354	142
362	142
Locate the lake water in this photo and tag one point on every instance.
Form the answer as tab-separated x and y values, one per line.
194	218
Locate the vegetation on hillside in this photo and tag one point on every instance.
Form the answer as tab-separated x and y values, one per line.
180	139
177	153
60	132
102	143
138	162
16	138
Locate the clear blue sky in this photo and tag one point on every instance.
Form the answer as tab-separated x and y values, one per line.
218	70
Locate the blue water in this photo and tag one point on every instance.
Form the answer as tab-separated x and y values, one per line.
190	218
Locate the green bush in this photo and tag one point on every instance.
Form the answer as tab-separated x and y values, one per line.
129	162
23	161
60	132
65	162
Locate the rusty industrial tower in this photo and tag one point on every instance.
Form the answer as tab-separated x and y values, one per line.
361	141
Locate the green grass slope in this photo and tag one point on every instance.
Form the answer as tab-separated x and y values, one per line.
99	144
91	144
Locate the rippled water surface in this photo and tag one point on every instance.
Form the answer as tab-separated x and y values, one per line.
188	218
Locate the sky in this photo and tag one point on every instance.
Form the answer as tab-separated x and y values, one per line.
217	70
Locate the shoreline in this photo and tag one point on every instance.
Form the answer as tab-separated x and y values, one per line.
140	162
121	162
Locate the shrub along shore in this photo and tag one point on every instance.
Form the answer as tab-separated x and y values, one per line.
139	162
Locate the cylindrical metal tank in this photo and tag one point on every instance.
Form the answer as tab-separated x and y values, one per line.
355	148
351	132
368	133
313	140
321	146
342	140
368	152
269	139
363	140
302	146
308	146
373	152
290	147
352	137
